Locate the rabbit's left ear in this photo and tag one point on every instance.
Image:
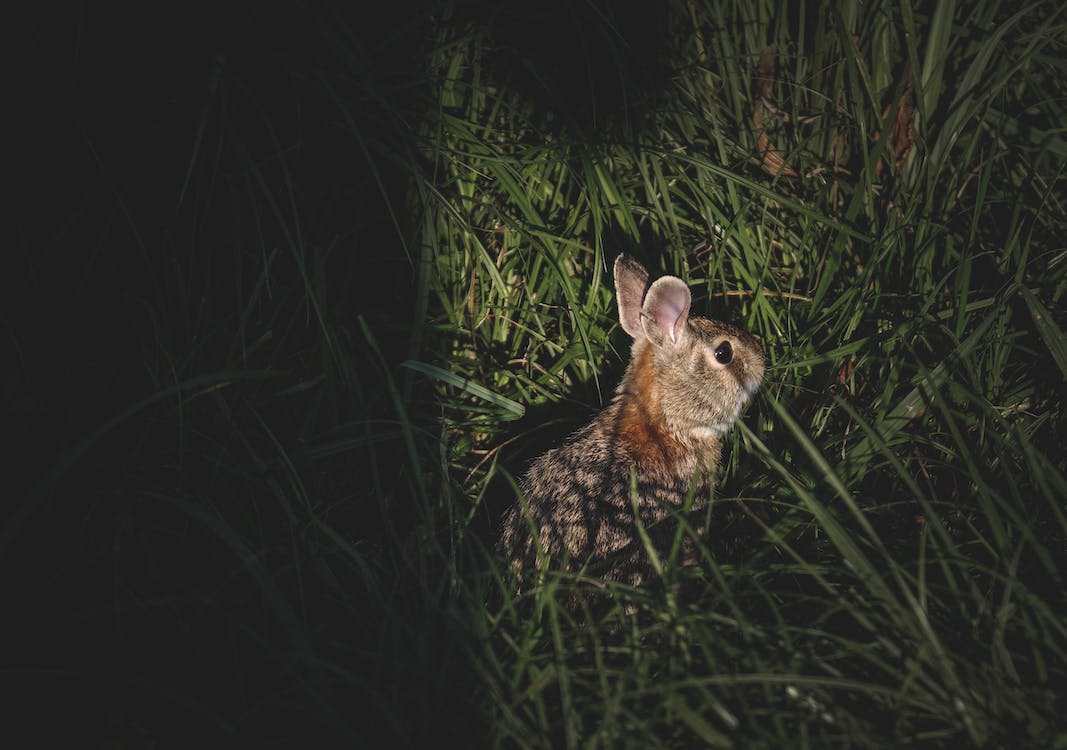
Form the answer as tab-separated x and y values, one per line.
631	283
666	310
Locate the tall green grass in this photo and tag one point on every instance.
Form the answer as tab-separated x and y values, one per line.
294	522
888	565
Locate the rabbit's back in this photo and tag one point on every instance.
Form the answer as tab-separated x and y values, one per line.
580	498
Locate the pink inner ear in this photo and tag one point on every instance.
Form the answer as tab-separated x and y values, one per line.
673	319
667	304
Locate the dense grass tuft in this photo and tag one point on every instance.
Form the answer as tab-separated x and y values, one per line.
889	541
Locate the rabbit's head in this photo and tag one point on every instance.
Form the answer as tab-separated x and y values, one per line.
695	374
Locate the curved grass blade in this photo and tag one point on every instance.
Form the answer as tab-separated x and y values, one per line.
1050	332
514	409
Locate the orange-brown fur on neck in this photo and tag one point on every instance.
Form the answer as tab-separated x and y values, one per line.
642	428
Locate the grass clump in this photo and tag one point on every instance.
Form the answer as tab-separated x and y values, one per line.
888	533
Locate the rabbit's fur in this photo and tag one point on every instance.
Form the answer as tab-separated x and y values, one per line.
662	428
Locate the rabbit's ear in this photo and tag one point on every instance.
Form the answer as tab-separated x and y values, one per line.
666	310
631	283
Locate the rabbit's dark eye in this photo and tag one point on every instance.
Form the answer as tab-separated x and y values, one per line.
724	353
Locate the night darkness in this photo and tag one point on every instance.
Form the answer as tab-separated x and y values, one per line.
133	128
139	133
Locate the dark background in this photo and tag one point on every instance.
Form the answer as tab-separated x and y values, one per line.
150	147
134	130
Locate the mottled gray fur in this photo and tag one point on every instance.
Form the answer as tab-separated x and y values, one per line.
686	383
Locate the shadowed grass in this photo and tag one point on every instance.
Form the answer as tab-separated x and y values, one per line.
868	584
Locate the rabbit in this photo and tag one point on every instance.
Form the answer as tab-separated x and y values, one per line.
687	380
